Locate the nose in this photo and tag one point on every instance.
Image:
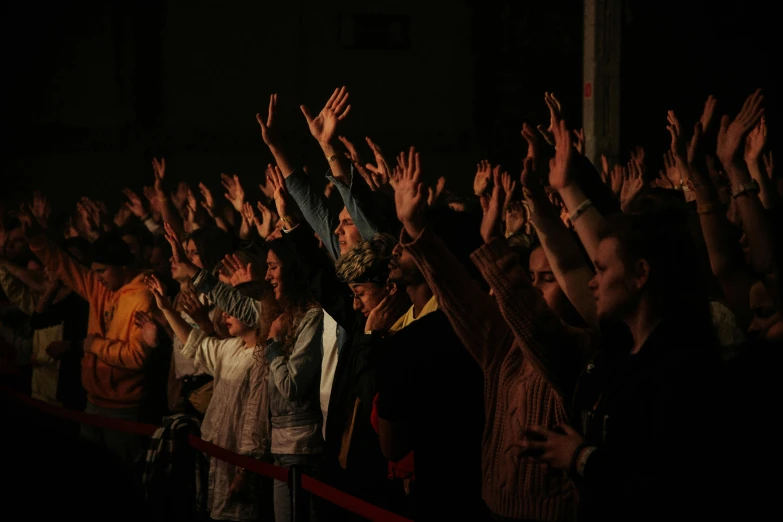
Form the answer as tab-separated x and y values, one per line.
357	304
267	276
397	250
593	284
339	231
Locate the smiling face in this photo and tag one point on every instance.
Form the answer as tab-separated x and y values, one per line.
614	287
366	296
274	274
347	233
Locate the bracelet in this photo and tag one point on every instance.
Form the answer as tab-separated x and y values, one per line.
581	209
709	207
332	158
745	188
575	457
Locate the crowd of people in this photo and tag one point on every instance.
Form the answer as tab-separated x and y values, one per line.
578	342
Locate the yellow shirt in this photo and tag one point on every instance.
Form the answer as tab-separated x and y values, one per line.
408	318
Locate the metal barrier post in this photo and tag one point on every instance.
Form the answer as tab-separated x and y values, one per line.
300	500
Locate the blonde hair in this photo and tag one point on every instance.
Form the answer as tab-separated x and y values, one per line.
355	263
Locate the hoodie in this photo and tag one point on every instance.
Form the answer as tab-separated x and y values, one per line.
113	366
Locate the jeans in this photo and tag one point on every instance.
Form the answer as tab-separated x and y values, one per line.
125	445
283	492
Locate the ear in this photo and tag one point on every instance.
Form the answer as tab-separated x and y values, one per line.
641	273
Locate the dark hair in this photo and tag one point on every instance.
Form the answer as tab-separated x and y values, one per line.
212	244
138	230
111	250
295	278
661	238
81	244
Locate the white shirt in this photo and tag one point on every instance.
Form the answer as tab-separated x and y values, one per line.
328	364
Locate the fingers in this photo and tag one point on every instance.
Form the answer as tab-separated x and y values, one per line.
272	107
306	113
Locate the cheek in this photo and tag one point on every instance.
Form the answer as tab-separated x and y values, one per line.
775	332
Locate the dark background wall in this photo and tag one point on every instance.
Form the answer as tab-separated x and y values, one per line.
92	90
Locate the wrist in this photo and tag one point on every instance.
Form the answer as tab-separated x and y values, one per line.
328	148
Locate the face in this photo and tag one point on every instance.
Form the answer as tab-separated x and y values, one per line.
235	327
767	322
16	245
457	207
177	272
274	275
614	287
402	268
347	232
192	253
158	260
366	296
112	277
544	281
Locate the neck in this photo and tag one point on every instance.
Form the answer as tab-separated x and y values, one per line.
642	323
250	339
420	294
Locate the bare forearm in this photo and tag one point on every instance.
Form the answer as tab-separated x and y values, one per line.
589	222
569	266
283	160
767	194
338	163
171	216
180	327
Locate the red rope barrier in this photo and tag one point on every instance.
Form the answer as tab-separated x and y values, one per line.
346	501
316	487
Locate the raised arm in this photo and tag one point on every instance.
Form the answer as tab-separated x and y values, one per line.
731	137
555	349
471	311
77	277
293	374
569	266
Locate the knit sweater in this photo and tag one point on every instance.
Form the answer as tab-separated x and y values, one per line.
501	335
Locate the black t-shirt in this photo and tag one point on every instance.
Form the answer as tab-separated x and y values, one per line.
427	378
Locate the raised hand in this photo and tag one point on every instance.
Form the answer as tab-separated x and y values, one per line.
268	131
158	292
159	169
707	114
605	172
177	251
209	202
673	175
481	180
381	172
148	328
248	221
516	218
240	272
234	191
134	203
732	132
440	187
490	223
323	127
562	170
266	224
633	183
41	208
755	142
509	186
280	193
30	226
265	186
409	195
180	197
579	140
353	156
196	310
154	202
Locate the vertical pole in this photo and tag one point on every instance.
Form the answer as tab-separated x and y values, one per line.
300	500
601	79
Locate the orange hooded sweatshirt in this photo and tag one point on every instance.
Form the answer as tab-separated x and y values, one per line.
113	367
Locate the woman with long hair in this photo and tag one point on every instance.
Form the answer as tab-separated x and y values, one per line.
293	351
